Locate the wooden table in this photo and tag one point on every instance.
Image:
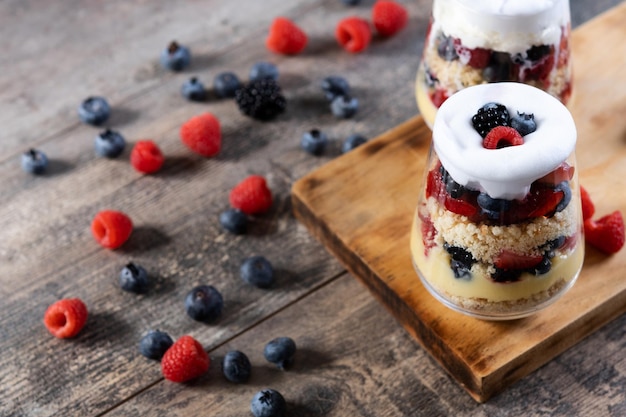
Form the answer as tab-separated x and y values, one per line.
353	357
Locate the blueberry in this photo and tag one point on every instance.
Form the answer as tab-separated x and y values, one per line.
109	144
344	106
567	195
34	161
193	90
280	351
154	344
492	207
204	303
94	110
263	69
335	86
542	267
430	79
225	84
506	275
234	220
268	403
134	278
351	2
175	57
552	245
236	366
314	142
446	49
524	123
352	142
257	271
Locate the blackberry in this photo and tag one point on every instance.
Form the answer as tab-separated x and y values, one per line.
489	116
261	99
536	52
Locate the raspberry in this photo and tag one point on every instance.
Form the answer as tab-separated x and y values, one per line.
353	34
606	233
489	116
146	157
511	260
501	137
185	360
563	172
285	37
476	58
111	228
261	99
588	207
202	134
66	317
252	196
438	97
389	17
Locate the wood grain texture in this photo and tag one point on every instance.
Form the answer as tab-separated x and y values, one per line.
57	53
361	207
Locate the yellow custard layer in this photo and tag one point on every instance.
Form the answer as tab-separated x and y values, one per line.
435	269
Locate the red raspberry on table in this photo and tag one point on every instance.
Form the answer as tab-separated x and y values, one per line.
146	157
353	34
184	360
66	317
285	37
389	17
588	207
606	233
252	196
202	134
111	228
502	136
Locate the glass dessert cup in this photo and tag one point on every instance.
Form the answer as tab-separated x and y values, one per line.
499	246
471	42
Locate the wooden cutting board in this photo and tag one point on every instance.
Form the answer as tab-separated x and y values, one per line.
360	206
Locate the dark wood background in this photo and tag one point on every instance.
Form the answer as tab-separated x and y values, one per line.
353	358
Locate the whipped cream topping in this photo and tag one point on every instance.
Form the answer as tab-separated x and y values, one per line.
502	25
506	172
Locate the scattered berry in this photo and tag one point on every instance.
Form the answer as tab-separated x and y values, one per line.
111	228
204	303
564	172
335	86
261	99
524	123
236	366
234	220
193	90
252	196
146	157
109	144
280	351
353	34
185	360
175	57
588	207
351	2
261	70
314	142
352	142
257	271
134	278
606	233
490	116
225	84
389	17
66	317
344	106
202	134
268	403
34	161
511	260
285	37
94	110
502	137
154	344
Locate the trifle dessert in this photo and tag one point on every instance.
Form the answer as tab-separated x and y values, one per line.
471	42
497	232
